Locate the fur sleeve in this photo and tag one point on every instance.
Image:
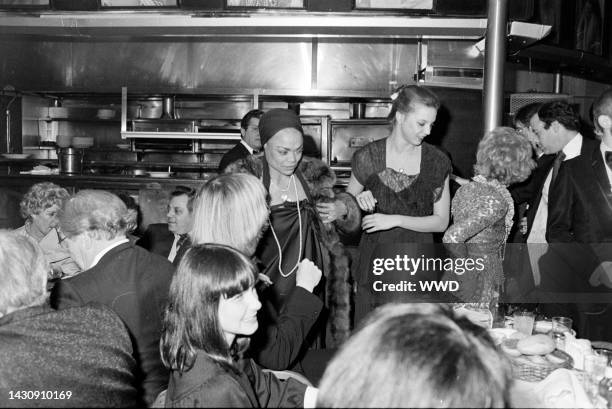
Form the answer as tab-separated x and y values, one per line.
351	222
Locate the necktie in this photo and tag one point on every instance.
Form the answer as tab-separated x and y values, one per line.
609	159
556	165
182	241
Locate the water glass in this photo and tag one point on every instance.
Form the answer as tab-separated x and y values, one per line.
561	325
523	321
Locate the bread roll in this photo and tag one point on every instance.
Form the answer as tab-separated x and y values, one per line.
509	347
539	344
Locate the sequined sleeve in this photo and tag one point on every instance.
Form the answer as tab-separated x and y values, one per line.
474	208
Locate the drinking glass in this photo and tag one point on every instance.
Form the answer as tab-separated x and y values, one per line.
523	321
560	325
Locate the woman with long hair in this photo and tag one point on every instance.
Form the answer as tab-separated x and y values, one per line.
212	311
402	182
231	209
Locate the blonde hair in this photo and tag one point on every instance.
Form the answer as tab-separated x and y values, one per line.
42	196
97	212
230	209
23	272
505	155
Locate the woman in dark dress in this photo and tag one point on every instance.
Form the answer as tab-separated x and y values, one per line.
212	310
304	214
403	182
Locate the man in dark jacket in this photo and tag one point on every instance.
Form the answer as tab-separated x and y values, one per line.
250	143
78	357
171	239
125	277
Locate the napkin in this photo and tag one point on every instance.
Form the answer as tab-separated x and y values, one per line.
562	389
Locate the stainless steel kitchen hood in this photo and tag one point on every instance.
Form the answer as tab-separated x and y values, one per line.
155	24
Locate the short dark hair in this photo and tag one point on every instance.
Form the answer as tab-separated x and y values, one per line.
187	191
560	111
206	273
524	114
253	113
417	355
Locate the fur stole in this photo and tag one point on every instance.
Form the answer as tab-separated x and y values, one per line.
320	180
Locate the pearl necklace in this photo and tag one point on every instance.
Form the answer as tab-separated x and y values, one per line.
505	194
284	192
280	250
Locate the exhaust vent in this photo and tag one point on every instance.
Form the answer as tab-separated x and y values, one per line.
519	100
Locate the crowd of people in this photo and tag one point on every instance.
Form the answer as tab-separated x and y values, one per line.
248	286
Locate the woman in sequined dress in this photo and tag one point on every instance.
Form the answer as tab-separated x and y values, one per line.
482	212
403	182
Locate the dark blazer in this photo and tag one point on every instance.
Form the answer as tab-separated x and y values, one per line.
530	191
237	152
208	384
85	351
579	223
157	239
134	283
580	209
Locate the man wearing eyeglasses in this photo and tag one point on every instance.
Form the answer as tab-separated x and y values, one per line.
250	143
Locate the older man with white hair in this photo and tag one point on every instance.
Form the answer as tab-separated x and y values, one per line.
79	356
125	277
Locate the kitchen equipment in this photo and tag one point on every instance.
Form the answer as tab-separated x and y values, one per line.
82	141
347	136
70	160
16	155
105	113
48	131
160	174
64	140
168	108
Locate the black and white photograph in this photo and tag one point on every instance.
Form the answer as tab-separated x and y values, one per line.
305	204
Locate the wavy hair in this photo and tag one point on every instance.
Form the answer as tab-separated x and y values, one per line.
231	209
23	272
405	97
206	273
505	155
42	196
417	355
99	213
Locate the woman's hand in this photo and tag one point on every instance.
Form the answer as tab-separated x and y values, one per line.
331	212
377	222
366	201
308	275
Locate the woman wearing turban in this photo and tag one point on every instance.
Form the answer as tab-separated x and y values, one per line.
304	215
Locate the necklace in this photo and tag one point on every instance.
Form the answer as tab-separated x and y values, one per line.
284	192
280	250
505	194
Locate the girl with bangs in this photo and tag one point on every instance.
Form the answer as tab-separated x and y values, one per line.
212	310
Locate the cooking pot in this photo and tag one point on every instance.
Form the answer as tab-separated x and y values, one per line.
70	160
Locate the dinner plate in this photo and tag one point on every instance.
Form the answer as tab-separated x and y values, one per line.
160	174
16	155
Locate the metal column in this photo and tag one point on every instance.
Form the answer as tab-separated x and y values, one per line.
495	61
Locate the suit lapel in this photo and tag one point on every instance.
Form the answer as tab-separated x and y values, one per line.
601	175
545	163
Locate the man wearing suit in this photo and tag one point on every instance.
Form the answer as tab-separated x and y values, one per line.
170	240
250	143
131	281
557	126
581	212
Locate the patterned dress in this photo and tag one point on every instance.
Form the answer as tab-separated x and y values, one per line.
396	193
482	213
